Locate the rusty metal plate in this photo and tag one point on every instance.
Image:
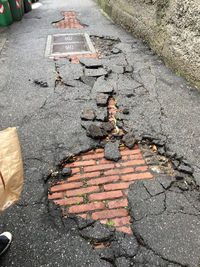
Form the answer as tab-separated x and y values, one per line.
70	48
69	44
71	38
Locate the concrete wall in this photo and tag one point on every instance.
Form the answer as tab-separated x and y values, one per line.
170	27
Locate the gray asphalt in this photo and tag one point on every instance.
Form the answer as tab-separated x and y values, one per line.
49	127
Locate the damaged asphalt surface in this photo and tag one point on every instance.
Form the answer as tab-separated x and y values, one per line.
159	106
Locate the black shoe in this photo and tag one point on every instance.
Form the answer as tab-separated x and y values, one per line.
5	240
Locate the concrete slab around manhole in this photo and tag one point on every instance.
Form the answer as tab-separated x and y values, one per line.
69	44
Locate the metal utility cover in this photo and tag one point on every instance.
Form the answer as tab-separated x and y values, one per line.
69	44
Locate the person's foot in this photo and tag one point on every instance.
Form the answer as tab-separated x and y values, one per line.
5	240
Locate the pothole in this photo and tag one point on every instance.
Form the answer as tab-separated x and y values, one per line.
105	45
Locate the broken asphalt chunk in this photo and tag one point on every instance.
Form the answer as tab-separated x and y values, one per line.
97	232
88	80
103	86
88	115
125	111
107	126
185	168
66	171
96	132
90	62
95	72
102	114
125	246
129	140
102	99
111	151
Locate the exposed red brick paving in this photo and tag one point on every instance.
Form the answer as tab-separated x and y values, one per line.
99	191
69	22
98	188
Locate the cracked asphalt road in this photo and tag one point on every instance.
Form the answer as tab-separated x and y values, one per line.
49	127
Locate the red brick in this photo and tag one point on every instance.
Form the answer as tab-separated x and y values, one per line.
104	221
119	203
67	201
93	156
110	187
130	152
104	161
98	167
125	192
84	215
83	176
141	168
64	187
136	156
75	170
99	150
99	245
105	195
107	214
86	207
131	177
119	171
124	229
121	221
130	163
124	157
75	192
55	195
103	180
82	163
91	152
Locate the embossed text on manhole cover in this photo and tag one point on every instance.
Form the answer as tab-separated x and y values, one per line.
69	44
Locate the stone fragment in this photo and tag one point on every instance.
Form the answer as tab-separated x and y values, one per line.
95	72
129	140
70	71
175	164
96	132
125	246
125	111
152	161
118	69
115	50
161	150
90	62
128	69
66	171
88	80
102	99
103	86
111	151
97	232
105	253
102	114
185	168
107	126
88	115
81	223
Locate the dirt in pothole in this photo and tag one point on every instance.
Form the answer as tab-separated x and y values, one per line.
103	45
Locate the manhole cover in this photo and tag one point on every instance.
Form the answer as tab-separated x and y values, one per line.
69	44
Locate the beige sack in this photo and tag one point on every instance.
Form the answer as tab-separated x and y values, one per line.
11	168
